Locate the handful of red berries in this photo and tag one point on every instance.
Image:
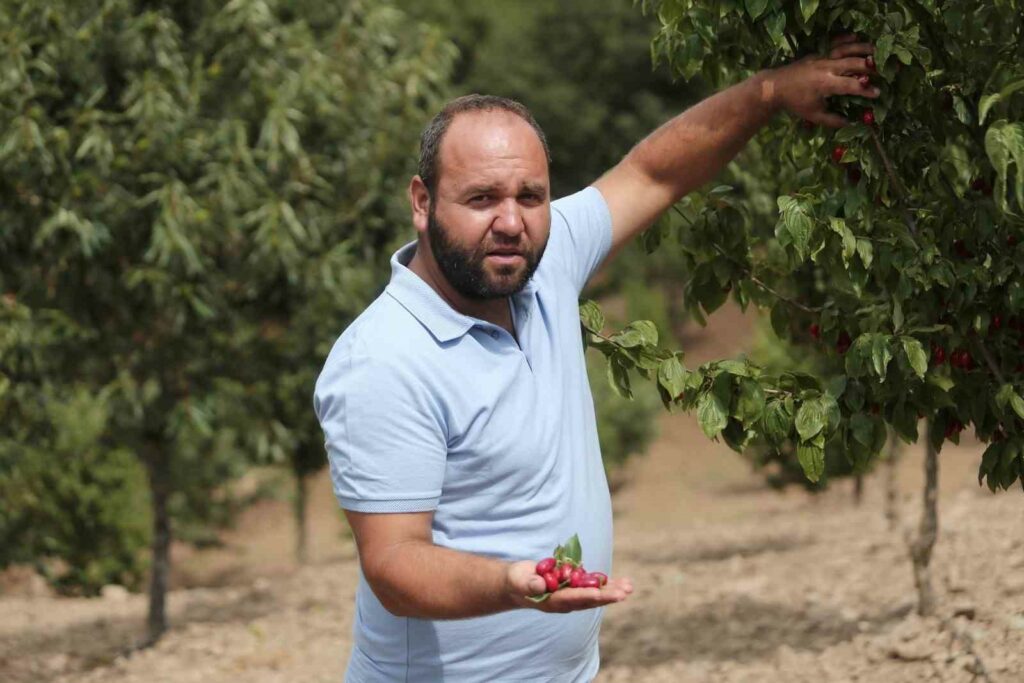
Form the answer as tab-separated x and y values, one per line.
565	569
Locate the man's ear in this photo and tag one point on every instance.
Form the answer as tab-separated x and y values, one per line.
419	198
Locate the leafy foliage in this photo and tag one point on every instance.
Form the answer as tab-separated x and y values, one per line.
904	243
196	198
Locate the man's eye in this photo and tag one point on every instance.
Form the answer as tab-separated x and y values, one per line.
480	198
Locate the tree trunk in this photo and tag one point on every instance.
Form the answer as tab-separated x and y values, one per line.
921	547
160	487
892	513
301	486
858	489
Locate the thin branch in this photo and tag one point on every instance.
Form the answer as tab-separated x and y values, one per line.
990	361
780	297
888	165
753	278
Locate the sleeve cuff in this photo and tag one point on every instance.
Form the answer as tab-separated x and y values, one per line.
410	505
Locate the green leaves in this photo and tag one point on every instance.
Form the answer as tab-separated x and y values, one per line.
1002	465
986	103
795	226
639	333
915	355
712	415
810	418
591	316
672	376
808	8
755	8
812	460
1004	144
778	420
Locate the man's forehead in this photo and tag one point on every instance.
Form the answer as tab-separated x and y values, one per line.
478	144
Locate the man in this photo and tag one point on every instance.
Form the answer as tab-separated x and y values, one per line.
458	418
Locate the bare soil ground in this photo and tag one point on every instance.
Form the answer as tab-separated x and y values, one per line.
735	583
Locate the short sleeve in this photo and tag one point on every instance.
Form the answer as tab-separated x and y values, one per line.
581	234
385	436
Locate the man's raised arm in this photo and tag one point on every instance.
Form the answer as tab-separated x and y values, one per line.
693	147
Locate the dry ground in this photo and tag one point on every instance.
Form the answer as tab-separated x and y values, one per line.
734	583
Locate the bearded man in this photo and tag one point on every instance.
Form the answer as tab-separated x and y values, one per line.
459	423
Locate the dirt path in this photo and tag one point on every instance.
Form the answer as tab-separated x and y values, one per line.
735	584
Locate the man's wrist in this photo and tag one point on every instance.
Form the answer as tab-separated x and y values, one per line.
766	87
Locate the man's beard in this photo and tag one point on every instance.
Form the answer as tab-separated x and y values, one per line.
466	270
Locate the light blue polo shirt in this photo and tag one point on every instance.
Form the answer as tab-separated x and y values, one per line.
424	408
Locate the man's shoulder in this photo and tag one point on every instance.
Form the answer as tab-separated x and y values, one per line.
384	330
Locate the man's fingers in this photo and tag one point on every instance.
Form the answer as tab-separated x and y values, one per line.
843	38
849	85
850	65
851	50
573	599
831	120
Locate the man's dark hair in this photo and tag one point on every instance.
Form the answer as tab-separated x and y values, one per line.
430	141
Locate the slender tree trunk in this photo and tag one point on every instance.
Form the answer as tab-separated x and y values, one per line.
301	547
892	513
160	486
921	547
858	489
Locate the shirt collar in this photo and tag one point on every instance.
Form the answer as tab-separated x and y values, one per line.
425	304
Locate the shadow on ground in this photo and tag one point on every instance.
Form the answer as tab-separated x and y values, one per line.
673	554
737	629
98	642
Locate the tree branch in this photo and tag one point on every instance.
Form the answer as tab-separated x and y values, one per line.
990	361
890	171
753	278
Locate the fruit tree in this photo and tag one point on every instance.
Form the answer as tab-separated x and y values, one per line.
891	249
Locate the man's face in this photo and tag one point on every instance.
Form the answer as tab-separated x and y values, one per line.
490	216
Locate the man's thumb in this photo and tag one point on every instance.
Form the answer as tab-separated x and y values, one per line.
536	585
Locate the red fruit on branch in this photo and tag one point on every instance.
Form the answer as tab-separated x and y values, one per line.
868	117
962	359
815	331
601	577
564	572
938	355
1011	241
551	582
546	565
853	173
590	581
997	322
961	249
980	185
807	125
843	342
837	153
953	427
864	80
875	409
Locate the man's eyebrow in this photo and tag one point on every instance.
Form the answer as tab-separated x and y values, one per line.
470	190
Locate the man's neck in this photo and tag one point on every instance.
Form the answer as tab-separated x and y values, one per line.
495	311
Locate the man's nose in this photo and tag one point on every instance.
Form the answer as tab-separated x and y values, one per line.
509	220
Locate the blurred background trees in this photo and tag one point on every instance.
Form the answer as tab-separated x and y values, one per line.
198	197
